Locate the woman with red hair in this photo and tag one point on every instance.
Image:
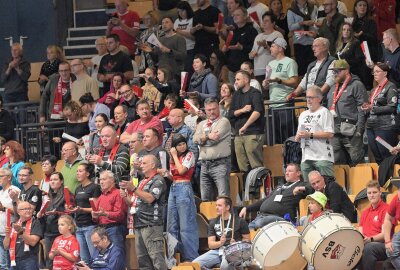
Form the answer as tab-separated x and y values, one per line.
16	155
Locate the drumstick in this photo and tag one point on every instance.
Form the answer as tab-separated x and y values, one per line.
233	227
222	223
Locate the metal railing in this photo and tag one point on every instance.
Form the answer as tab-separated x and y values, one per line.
24	112
37	139
281	122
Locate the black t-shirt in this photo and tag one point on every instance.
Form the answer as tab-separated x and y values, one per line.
82	196
33	195
36	229
240	99
241	227
151	213
118	62
205	41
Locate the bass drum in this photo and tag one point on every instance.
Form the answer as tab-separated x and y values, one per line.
275	247
330	242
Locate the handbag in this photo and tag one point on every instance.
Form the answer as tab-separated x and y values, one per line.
347	129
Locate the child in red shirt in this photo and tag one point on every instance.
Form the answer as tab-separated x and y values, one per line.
65	249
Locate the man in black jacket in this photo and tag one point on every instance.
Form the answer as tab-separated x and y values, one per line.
281	204
338	201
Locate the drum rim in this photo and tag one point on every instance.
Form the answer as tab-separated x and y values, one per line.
260	230
313	251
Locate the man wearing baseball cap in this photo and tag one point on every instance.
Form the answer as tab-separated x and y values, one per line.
344	101
281	82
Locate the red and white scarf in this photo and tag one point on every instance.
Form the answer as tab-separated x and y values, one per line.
142	184
377	91
14	237
56	111
337	95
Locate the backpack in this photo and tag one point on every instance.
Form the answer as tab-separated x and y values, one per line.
291	152
256	178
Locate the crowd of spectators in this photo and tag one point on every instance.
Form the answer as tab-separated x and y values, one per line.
140	158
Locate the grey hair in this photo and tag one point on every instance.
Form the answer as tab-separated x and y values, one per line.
108	173
324	42
316	90
317	173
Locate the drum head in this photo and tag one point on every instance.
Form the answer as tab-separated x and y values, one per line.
340	250
294	262
281	251
238	252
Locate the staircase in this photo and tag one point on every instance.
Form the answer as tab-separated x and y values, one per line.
89	25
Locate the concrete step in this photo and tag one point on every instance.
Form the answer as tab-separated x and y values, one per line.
80	50
91	17
74	41
93	31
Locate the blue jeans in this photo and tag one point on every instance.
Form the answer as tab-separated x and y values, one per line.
30	263
117	235
4	256
211	258
395	256
86	247
261	220
380	152
214	172
181	221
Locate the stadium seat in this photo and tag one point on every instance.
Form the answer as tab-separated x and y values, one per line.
390	197
340	175
191	265
131	258
208	209
235	190
59	165
396	170
202	227
273	159
374	166
359	177
352	197
303	208
37	171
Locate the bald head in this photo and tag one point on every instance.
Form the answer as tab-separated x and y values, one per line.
176	118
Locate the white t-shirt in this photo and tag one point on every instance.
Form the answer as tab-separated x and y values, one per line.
320	120
260	9
94	70
6	201
185	25
254	83
263	56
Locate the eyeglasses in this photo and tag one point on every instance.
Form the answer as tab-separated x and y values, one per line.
125	92
65	150
308	97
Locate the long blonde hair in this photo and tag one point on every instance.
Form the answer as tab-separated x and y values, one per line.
339	42
59	52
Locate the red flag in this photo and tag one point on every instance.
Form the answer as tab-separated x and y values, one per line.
184	79
229	39
163	113
220	20
92	204
67	197
188	104
8	213
44	207
254	16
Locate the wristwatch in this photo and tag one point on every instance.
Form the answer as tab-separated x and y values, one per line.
312	135
372	239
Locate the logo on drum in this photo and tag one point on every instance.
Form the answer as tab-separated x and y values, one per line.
336	251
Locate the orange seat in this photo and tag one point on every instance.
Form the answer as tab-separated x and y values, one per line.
273	159
359	177
208	209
